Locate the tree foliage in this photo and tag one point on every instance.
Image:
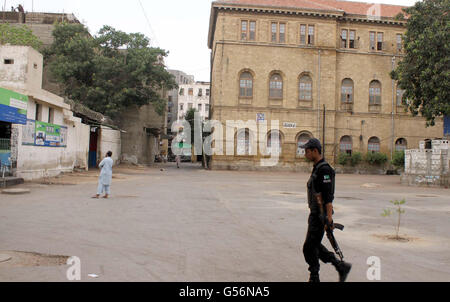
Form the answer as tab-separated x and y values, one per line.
108	72
376	158
424	73
19	35
399	159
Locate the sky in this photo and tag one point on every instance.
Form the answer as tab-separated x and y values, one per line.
177	26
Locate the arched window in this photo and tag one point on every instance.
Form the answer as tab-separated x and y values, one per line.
346	145
375	93
401	145
246	85
301	140
374	145
244	143
274	142
347	91
305	88
276	86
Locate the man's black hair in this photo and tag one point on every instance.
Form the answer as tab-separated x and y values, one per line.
318	150
109	154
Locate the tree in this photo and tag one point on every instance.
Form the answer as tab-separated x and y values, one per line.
19	35
387	213
424	73
109	72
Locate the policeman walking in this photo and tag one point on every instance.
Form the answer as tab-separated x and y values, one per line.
321	187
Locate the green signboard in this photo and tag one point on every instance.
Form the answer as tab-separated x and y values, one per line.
13	107
36	133
50	135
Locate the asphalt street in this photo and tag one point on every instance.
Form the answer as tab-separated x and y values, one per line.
194	225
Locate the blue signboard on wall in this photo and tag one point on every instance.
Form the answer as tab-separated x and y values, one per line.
11	115
447	125
13	107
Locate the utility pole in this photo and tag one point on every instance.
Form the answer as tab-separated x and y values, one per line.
393	111
318	96
324	124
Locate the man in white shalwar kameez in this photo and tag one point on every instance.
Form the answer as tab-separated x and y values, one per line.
104	180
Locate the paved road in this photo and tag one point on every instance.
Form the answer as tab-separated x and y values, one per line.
196	225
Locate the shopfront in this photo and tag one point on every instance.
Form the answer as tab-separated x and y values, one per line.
13	110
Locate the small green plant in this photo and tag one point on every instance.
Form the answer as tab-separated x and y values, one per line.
343	158
376	158
356	158
399	159
387	213
19	35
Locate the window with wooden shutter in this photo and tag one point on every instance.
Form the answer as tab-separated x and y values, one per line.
305	88
246	85
244	30
311	35
375	93
352	38
302	34
276	87
344	38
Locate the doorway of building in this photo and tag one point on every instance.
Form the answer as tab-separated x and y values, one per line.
5	147
93	147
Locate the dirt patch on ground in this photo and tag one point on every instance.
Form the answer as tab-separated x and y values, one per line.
29	259
122	172
278	193
399	239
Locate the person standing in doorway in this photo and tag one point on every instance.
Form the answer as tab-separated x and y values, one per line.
321	188
104	181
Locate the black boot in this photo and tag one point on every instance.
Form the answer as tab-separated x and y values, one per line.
314	278
343	269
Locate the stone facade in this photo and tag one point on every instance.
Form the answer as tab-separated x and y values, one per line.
240	38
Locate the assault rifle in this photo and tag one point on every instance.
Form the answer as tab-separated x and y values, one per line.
333	241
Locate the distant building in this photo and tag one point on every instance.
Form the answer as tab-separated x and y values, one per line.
194	96
181	78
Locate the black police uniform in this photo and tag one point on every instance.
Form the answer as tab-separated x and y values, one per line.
322	181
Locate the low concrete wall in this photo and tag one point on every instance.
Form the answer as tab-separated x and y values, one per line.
420	180
252	164
428	167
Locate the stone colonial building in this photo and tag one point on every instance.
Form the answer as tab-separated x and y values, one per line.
320	67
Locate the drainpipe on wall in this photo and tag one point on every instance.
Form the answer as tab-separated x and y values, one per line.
393	105
318	99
